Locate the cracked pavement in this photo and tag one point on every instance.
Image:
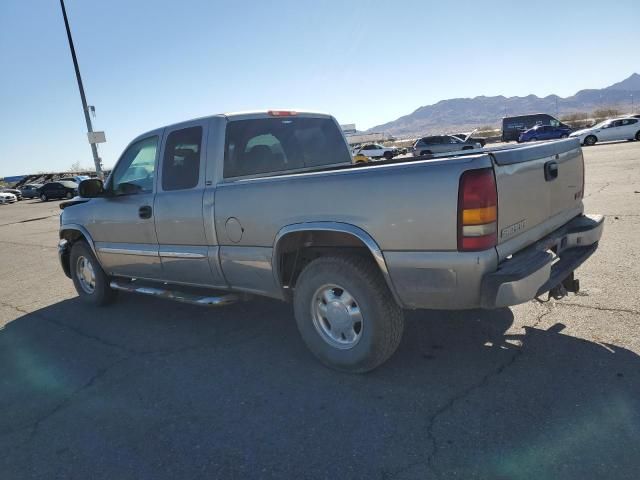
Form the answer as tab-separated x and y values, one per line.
148	388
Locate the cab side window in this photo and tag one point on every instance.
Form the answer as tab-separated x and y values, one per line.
135	170
181	162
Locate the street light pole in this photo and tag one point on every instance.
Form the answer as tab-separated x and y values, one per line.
87	117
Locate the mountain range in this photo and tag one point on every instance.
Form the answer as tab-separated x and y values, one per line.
468	113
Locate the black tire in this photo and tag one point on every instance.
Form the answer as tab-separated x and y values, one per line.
388	155
44	198
564	135
68	195
590	140
101	294
638	135
382	319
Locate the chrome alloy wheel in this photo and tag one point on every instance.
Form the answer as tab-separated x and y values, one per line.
85	274
337	316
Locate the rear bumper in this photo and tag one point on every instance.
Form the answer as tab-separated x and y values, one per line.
463	280
543	265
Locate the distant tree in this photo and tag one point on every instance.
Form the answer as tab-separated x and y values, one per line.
606	113
574	117
75	167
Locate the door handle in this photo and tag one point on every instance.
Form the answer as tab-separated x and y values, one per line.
550	170
145	211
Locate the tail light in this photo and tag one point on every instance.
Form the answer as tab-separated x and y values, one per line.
477	210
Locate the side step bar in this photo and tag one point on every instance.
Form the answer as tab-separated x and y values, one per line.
184	297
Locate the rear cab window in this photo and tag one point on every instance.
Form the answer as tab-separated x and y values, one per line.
283	144
181	162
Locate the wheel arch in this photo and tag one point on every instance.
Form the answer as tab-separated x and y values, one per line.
70	234
291	239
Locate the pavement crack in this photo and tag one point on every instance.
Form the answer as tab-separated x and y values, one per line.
468	391
23	244
599	190
602	309
29	220
75	330
69	398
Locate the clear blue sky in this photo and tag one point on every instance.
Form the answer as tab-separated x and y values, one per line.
147	63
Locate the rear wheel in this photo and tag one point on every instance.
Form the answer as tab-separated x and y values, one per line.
68	195
388	155
44	197
91	283
346	314
638	135
590	140
564	135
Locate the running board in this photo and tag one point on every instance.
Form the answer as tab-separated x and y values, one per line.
184	297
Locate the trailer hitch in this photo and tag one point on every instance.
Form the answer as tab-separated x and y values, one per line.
568	285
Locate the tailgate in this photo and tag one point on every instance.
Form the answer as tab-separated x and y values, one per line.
539	189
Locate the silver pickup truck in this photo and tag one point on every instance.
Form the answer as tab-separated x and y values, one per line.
217	209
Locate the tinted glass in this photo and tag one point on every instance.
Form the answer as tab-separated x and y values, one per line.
181	163
135	170
69	184
277	144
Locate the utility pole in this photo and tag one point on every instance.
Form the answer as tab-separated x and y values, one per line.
85	108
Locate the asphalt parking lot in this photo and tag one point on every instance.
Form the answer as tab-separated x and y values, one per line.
147	388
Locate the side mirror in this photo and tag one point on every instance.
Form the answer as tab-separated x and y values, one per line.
91	188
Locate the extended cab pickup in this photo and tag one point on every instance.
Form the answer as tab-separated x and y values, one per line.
214	210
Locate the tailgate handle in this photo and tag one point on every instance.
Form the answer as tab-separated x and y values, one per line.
551	170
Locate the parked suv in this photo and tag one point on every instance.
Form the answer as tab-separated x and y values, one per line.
442	144
53	190
544	132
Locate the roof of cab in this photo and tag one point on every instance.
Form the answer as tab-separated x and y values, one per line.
235	116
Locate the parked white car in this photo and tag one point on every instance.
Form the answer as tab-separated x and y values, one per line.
374	150
615	129
7	198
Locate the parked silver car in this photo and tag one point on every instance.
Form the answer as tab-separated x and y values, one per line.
30	190
442	144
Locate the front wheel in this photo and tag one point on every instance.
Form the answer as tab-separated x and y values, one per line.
68	195
638	135
44	198
91	283
564	135
590	140
388	155
346	314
